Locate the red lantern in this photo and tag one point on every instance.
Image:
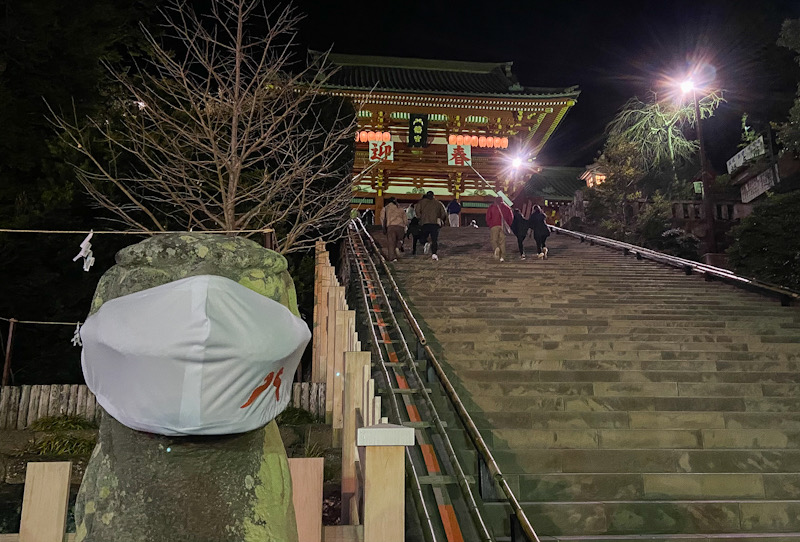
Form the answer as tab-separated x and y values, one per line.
504	142
482	141
387	136
490	142
452	139
474	140
459	140
372	136
362	136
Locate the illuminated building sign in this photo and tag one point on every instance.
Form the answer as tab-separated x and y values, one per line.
417	130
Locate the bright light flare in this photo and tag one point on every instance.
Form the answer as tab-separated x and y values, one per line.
516	162
687	86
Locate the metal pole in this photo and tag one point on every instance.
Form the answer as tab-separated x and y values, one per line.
708	204
7	364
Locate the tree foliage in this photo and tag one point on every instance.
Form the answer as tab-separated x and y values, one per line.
788	133
655	129
766	245
222	131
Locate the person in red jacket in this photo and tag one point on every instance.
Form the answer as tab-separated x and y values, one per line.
499	217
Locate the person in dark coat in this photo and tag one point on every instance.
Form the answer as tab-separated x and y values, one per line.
538	223
520	229
414	231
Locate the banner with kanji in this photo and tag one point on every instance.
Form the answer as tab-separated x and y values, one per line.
380	151
459	155
417	130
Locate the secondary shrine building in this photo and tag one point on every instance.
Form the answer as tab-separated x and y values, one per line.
452	127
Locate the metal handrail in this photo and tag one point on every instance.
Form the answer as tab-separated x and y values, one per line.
472	505
431	533
785	294
466	420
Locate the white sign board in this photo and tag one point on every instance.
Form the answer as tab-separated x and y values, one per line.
459	155
381	150
756	148
759	184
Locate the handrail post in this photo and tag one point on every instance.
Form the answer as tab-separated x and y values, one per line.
384	481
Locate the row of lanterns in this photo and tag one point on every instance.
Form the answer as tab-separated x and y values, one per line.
367	135
479	141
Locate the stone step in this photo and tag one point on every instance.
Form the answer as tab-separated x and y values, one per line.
667	438
653	354
510	374
633	404
652	518
579	461
627	389
574	419
653	486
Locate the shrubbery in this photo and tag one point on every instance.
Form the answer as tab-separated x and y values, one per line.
766	244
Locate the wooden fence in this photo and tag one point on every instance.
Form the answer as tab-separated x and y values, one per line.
46	496
20	406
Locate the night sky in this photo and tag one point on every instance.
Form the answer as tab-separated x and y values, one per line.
611	53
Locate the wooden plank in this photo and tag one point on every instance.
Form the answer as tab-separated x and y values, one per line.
63	406
53	402
330	334
371	401
365	377
44	401
13	408
322	329
80	404
72	404
384	494
376	408
343	322
5	405
307	475
44	502
313	398
296	395
24	401
91	407
354	363
33	405
323	390
304	396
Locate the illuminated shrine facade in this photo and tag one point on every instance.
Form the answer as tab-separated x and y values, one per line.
441	126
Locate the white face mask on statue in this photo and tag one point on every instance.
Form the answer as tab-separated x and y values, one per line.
199	356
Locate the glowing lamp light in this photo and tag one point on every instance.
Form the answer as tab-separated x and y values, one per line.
474	140
490	142
516	162
387	136
504	143
482	141
496	142
687	86
460	140
452	139
363	137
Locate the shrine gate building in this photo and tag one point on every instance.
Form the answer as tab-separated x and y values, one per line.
451	127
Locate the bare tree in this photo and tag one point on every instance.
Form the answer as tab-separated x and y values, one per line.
222	129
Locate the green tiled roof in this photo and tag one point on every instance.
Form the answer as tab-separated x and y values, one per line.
555	183
433	77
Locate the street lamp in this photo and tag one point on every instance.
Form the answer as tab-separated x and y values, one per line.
708	204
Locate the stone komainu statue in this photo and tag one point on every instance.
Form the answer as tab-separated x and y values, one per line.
194	458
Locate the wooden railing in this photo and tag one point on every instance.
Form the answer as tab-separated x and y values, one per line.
373	458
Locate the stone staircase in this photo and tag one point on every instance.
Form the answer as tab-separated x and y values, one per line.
622	398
